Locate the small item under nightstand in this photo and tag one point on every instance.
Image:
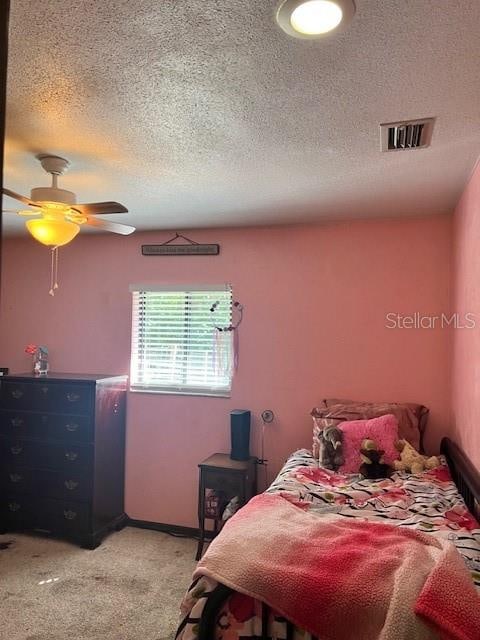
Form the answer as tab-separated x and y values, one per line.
222	479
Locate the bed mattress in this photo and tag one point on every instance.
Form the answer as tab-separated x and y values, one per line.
429	502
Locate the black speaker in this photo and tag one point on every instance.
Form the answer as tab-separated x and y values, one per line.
240	434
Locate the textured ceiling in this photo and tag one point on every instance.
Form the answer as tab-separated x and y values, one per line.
204	113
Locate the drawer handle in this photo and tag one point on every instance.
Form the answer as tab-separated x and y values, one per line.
17	422
69	515
71	485
71	455
14	506
73	397
16	477
44	419
16	449
17	394
45	390
71	426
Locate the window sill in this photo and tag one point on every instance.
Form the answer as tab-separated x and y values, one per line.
170	392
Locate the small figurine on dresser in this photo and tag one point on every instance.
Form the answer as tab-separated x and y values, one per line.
40	358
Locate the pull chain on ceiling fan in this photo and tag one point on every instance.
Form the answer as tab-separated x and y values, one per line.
60	216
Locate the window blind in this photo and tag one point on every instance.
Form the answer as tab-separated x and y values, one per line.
173	339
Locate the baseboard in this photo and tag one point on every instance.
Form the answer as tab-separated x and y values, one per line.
173	529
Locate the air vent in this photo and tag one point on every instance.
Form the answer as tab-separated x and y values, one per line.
403	136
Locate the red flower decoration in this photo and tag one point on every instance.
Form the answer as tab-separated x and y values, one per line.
31	349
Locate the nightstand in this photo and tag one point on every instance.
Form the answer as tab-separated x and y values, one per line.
227	478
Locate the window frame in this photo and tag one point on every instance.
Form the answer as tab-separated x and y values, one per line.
181	389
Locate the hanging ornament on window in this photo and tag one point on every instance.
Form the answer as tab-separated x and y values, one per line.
226	342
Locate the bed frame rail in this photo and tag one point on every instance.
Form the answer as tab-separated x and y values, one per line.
464	474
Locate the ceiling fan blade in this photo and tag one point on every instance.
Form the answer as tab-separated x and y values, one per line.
97	208
114	227
20	198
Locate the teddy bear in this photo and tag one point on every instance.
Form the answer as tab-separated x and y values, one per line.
372	466
411	460
331	456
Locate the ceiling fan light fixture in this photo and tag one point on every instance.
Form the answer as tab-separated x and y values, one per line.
52	232
312	19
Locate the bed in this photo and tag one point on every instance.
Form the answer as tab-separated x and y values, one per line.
443	502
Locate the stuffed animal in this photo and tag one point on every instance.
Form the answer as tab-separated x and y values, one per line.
331	456
372	466
411	460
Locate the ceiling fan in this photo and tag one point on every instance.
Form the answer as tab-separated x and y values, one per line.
60	215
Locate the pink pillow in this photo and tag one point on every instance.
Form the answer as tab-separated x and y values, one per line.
384	430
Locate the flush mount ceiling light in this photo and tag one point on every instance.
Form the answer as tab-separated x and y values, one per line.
314	18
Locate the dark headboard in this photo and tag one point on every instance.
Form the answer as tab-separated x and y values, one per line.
465	475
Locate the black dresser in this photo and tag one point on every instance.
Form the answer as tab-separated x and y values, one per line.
62	450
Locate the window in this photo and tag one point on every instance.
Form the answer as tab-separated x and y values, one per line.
174	340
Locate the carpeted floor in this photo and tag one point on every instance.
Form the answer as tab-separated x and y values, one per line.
129	588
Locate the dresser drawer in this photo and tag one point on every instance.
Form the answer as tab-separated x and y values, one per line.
47	396
63	485
64	398
63	516
70	428
17	511
74	458
15	451
58	516
23	424
44	426
16	480
42	455
16	395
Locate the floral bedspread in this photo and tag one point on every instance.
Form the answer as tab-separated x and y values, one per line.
429	502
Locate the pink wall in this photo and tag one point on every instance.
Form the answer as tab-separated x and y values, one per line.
315	303
466	343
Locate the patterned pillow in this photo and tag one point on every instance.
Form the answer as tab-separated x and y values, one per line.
412	418
384	430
